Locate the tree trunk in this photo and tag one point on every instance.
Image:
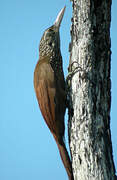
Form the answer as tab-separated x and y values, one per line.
90	96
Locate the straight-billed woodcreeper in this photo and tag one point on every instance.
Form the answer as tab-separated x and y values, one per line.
49	84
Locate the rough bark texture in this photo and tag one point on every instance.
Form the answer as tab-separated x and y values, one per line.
90	96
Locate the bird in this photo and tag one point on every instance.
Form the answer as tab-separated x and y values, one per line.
49	85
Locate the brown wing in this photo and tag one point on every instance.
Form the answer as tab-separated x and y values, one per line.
45	92
46	103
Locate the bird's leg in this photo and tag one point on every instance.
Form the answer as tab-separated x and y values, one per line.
71	72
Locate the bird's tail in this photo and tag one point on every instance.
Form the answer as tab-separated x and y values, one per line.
65	158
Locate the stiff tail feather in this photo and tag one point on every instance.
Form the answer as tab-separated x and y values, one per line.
65	158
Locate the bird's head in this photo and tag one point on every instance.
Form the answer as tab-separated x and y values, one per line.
50	39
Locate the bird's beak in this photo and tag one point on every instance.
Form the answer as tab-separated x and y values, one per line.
59	18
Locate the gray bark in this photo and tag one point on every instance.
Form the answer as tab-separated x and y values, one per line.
90	86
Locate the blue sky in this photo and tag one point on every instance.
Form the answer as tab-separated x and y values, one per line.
27	149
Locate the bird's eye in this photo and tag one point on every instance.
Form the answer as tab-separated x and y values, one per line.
50	30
